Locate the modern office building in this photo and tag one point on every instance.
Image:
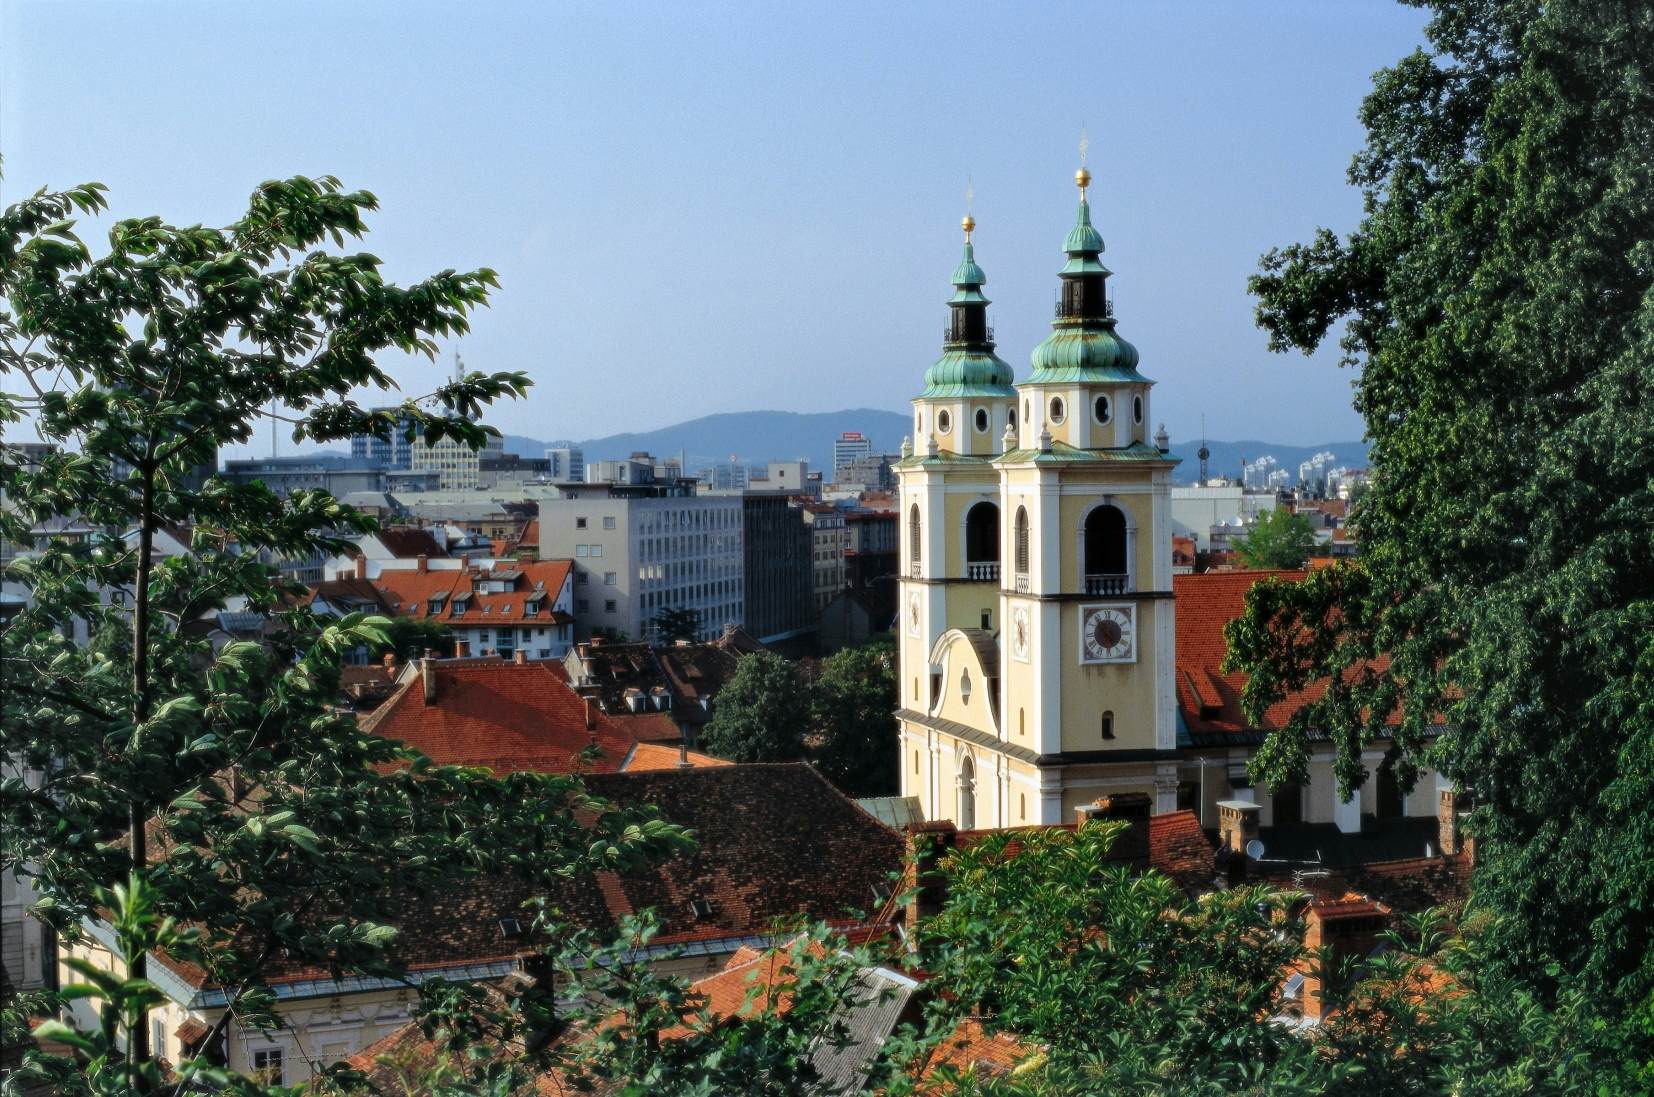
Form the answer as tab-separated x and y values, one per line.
565	464
851	446
778	570
336	475
640	548
456	463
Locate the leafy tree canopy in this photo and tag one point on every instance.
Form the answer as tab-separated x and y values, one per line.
677	624
283	829
762	713
1498	298
1278	539
855	735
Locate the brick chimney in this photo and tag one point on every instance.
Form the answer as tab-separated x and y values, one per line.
1237	824
462	649
390	660
1447	821
1347	928
591	714
428	674
520	657
927	888
361	567
1131	848
422	563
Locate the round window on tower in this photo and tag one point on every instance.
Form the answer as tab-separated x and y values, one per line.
982	420
944	422
1137	409
1056	409
1103	409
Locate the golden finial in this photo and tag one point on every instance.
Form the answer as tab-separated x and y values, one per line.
969	225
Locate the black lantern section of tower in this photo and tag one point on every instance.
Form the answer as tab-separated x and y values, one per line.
1084	297
968	326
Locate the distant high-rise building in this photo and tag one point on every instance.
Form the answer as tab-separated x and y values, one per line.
566	463
393	453
850	446
455	461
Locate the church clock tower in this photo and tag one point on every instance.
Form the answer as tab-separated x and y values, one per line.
1062	691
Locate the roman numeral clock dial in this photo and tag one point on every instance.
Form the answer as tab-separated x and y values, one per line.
1108	634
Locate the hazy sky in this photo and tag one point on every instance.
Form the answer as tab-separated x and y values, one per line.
696	209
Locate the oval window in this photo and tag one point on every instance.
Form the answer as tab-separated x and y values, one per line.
965	686
1103	409
1137	408
982	420
944	422
1056	409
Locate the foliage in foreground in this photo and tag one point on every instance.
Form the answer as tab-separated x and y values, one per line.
1498	299
226	783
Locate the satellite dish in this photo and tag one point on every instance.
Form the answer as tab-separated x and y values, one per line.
1254	850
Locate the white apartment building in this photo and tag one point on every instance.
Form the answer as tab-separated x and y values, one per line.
641	549
455	462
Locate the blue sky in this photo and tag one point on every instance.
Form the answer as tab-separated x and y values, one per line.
700	208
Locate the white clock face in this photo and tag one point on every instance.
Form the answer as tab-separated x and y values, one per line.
1020	629
1108	634
913	614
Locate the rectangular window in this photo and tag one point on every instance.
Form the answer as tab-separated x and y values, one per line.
267	1066
581	605
579	578
580	551
610	578
579	523
609	606
597	550
609	522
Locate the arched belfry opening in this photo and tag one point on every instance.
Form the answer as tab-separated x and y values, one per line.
1105	550
982	542
1021	536
914	529
966	819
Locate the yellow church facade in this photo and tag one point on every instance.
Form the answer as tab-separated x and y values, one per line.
1036	637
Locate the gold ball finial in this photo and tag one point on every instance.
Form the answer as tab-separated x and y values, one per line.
969	225
1082	179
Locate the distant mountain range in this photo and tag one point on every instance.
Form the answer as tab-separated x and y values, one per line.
754	437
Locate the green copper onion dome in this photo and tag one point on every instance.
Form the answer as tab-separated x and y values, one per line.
1083	346
968	366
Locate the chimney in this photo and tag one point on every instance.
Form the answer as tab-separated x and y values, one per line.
423	564
927	888
520	657
361	567
390	660
1131	848
462	649
1447	821
591	714
428	673
1237	825
1345	928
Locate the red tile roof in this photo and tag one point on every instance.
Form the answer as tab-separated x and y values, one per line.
408	542
972	1051
652	756
411	592
502	715
1210	699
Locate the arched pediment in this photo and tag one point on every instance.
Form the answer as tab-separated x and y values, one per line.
968	662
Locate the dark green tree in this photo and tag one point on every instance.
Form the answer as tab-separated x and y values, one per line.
225	786
1128	985
1278	539
855	738
1498	299
677	624
763	712
411	637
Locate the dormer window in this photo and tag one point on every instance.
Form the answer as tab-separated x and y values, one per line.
702	908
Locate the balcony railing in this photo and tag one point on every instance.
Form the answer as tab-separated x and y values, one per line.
914	571
1102	585
987	572
1022	584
